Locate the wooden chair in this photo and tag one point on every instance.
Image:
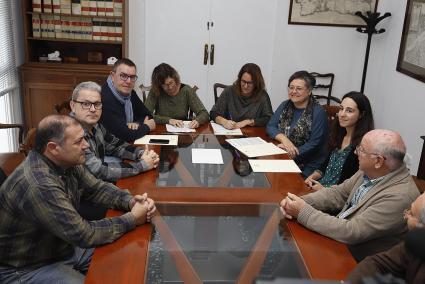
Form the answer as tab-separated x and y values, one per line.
8	163
62	108
217	87
324	83
144	89
14	125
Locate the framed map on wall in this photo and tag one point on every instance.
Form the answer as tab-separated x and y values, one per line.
329	12
411	56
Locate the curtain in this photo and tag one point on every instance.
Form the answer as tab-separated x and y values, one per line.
10	102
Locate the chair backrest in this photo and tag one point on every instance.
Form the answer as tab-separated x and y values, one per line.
8	163
145	90
20	127
218	87
62	108
322	90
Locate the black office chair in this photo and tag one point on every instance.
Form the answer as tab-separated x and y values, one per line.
218	86
144	89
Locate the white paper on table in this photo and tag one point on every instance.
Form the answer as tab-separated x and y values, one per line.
261	150
207	156
274	166
220	130
145	139
238	142
185	128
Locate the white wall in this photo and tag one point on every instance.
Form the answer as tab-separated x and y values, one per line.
397	100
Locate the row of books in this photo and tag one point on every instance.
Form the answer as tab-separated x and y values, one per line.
79	7
65	27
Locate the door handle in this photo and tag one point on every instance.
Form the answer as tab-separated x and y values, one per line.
212	55
205	54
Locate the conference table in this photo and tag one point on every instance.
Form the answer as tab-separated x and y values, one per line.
216	223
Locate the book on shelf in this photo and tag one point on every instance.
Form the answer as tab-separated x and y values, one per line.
58	26
109	8
118	8
96	34
65	27
85	7
56	6
36	6
101	8
66	7
51	25
36	26
76	7
111	30
93	7
103	29
43	26
47	6
118	30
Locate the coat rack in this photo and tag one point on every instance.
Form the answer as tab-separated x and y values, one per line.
371	20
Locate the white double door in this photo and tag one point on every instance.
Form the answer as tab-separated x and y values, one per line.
179	31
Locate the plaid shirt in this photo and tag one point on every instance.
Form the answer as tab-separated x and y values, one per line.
103	143
39	221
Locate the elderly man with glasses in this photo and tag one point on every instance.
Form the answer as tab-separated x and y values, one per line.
124	114
369	206
403	260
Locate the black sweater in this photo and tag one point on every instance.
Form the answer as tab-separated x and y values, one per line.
113	116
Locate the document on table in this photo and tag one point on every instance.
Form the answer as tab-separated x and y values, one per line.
175	129
241	142
150	139
274	166
220	130
261	150
207	156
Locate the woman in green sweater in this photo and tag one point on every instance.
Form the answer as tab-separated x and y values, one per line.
170	101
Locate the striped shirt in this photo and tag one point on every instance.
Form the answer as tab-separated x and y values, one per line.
103	143
39	221
361	191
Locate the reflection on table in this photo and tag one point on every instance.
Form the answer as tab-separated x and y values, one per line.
177	170
222	245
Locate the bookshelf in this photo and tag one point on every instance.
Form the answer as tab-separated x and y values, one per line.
85	32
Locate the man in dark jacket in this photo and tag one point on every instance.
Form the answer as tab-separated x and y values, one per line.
402	260
124	114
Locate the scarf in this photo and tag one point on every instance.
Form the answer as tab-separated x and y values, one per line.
300	133
124	100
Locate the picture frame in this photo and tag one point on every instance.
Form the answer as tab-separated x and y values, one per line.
338	13
411	55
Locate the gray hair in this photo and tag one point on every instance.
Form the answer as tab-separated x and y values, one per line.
394	154
91	86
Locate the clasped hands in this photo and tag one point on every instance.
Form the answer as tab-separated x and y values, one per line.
291	206
150	157
312	183
148	121
179	123
142	208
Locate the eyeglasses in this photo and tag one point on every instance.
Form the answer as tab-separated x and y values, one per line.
169	84
88	105
124	77
359	149
248	83
296	89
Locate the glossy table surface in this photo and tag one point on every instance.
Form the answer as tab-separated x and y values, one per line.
128	259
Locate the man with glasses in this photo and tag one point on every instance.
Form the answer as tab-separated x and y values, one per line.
402	260
86	105
124	114
368	206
